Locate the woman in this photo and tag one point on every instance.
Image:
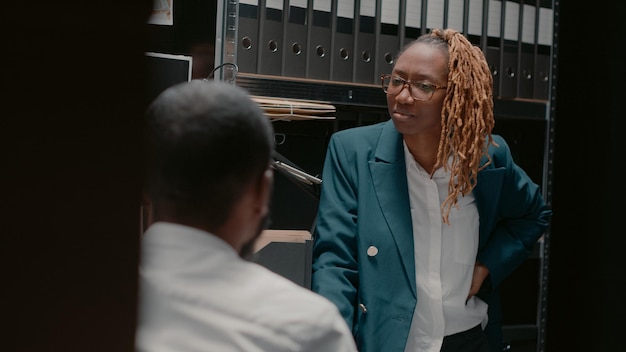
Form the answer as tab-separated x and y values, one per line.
422	217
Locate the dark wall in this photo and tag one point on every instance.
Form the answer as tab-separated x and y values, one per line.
70	129
587	278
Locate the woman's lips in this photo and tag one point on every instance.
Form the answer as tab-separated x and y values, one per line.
402	115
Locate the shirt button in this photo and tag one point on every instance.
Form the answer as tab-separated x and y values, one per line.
372	251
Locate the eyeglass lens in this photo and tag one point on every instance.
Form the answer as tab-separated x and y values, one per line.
394	85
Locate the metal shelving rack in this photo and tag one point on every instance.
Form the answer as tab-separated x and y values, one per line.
352	97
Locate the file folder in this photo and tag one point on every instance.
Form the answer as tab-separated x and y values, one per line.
248	37
389	40
294	55
342	56
365	56
271	42
319	48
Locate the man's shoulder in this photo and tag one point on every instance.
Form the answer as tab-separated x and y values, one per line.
288	297
284	290
243	302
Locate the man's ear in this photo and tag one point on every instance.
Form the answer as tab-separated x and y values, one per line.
147	212
265	189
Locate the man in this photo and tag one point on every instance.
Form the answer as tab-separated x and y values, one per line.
209	183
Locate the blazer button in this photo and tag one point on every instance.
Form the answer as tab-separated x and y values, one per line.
372	251
363	308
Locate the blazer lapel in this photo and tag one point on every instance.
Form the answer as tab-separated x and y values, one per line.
488	186
388	172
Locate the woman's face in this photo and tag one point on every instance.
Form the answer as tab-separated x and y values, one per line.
420	63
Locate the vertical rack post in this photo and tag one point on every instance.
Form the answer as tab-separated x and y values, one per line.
226	39
548	167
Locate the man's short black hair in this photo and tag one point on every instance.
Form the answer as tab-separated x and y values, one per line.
205	141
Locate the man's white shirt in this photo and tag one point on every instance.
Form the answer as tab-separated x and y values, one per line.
198	294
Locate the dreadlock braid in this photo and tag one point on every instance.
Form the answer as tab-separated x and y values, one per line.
466	118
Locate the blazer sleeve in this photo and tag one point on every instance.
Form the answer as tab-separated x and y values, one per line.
335	274
522	218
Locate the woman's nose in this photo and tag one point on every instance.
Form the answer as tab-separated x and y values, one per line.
404	96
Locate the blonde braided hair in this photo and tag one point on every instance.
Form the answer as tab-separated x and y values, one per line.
467	115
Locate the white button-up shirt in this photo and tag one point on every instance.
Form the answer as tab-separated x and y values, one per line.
197	294
444	260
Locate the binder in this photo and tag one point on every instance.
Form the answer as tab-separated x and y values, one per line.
434	14
365	56
295	39
412	21
248	36
271	41
542	73
342	56
493	49
456	12
526	70
389	40
492	55
475	21
509	69
509	76
319	48
544	45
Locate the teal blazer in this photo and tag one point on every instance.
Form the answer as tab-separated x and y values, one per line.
364	202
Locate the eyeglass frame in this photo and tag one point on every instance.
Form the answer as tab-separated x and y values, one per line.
406	82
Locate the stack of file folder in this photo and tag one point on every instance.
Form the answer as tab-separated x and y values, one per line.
295	109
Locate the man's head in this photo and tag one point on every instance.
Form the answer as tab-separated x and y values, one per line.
208	150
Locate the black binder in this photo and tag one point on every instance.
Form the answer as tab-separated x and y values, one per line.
342	56
526	71
508	82
510	49
542	73
492	55
365	56
389	40
544	44
526	80
248	36
295	39
271	41
319	46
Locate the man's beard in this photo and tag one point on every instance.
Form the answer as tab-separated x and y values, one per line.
247	250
